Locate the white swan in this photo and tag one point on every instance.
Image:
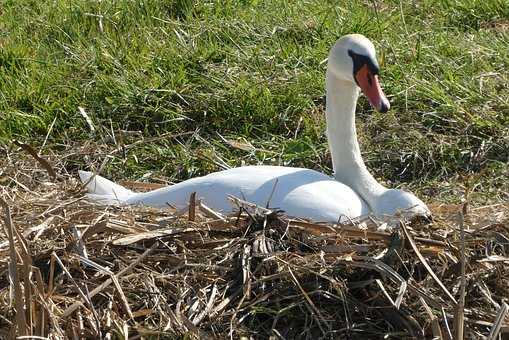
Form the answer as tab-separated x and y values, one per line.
299	192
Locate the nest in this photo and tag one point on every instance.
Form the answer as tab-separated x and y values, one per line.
74	269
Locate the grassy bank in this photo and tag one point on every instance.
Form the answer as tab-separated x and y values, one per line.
252	73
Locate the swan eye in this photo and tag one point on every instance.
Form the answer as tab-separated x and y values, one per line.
360	60
370	80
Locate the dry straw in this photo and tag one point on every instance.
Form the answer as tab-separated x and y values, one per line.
73	269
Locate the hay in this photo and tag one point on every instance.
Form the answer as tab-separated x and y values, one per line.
71	268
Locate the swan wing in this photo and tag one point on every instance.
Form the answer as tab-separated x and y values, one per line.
299	192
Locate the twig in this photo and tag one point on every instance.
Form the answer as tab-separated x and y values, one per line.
106	283
85	115
425	263
311	304
271	193
192	207
21	322
446	324
499	320
435	325
459	320
45	164
84	295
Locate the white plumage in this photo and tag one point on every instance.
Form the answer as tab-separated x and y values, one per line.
299	192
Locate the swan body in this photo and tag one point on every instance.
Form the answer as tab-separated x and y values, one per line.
299	192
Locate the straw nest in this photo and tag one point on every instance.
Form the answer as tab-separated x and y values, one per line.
73	269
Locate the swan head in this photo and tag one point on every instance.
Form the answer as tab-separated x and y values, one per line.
353	59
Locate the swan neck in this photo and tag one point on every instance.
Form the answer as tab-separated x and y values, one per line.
347	162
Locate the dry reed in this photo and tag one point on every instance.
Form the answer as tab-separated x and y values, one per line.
71	268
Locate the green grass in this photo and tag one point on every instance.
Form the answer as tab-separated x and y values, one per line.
253	71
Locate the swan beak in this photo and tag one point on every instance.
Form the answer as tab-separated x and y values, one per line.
370	86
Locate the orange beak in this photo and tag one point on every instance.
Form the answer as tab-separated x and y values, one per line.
368	82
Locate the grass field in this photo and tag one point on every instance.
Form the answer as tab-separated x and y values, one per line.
247	79
165	90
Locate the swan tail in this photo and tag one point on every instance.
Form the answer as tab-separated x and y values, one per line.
103	190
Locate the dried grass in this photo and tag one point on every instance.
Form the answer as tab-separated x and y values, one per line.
71	268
